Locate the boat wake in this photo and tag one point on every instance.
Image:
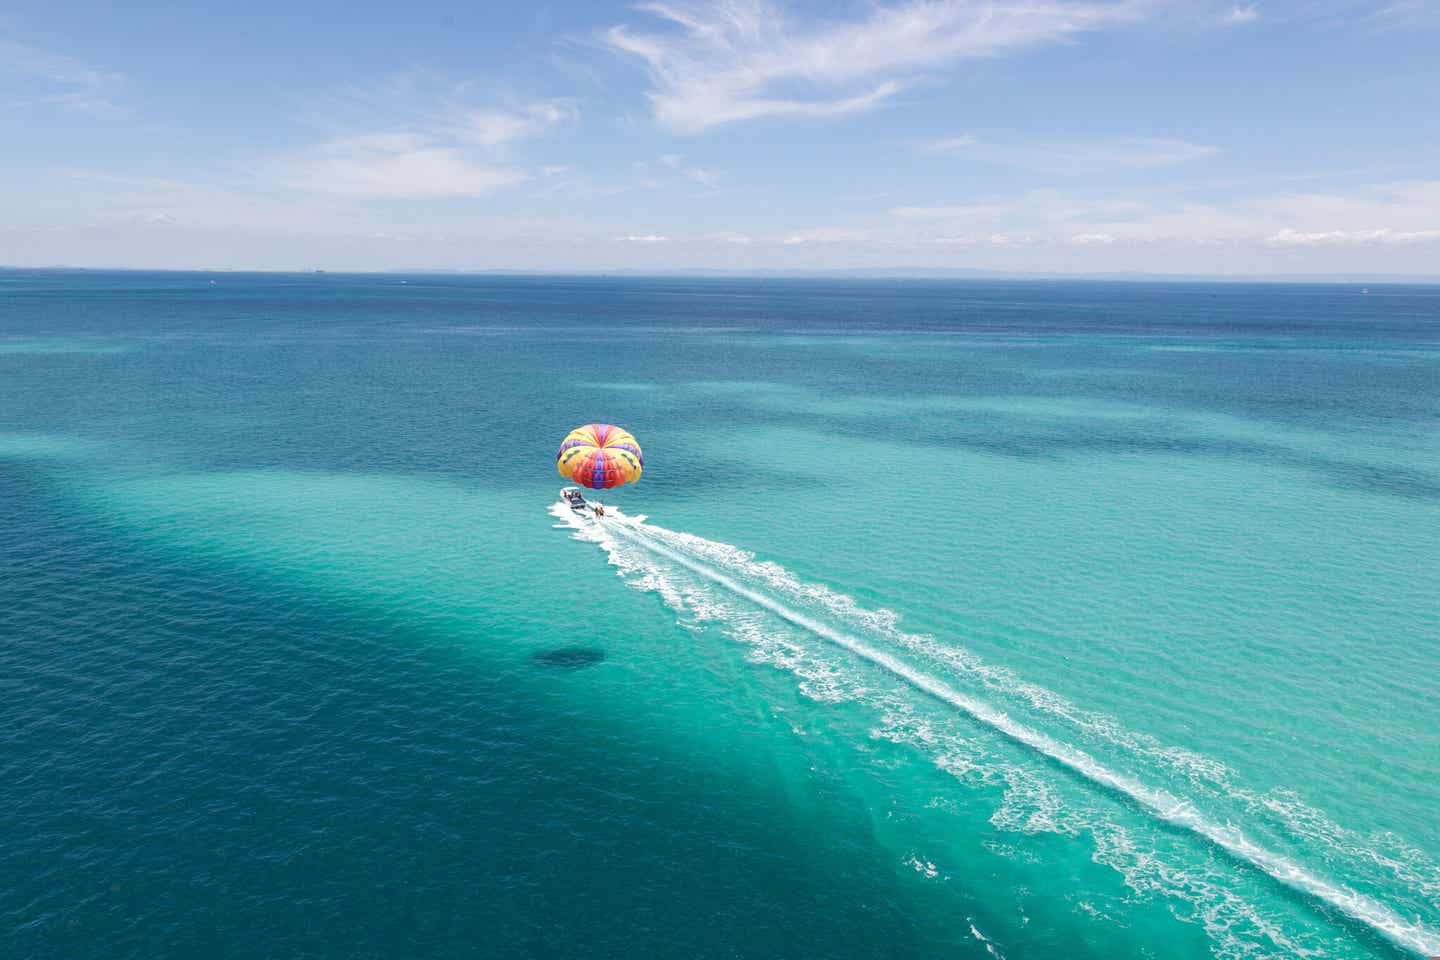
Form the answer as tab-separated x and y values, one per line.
781	617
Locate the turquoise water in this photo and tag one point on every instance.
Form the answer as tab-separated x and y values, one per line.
962	619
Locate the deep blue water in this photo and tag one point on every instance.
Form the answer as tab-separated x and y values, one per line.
963	619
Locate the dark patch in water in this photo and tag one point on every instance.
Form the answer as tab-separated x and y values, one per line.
1377	478
568	658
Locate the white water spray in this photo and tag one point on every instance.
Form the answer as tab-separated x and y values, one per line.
1366	910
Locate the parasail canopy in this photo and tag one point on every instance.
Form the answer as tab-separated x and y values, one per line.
600	456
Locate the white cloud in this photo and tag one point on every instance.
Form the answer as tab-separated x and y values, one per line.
496	128
406	137
1076	157
702	176
1239	15
740	59
1392	214
646	238
421	102
61	80
397	165
1382	235
829	235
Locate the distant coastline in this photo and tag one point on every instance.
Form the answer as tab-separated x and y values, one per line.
705	273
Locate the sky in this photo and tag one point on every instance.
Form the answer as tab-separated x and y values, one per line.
1101	136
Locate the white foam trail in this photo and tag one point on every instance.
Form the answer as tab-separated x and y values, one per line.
1202	771
1359	907
1384	853
989	946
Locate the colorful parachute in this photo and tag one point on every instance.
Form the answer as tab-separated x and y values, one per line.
600	456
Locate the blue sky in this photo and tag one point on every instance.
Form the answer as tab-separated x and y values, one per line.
1028	135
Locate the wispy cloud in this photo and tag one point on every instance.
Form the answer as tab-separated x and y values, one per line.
59	79
577	186
1402	15
950	144
1238	15
703	177
741	59
421	142
970	212
830	236
1406	212
671	171
1382	235
1375	17
1091	239
492	128
421	101
1074	158
394	165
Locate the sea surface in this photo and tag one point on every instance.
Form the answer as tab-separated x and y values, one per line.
949	619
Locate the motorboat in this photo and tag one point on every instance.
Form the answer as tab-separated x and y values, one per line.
572	497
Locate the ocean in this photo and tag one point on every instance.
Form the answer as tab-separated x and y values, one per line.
968	619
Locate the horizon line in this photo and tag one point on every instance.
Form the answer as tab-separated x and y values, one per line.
869	273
